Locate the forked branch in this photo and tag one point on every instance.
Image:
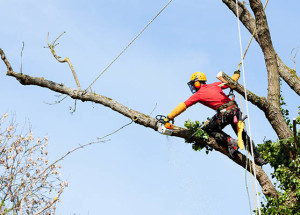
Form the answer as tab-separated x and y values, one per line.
59	59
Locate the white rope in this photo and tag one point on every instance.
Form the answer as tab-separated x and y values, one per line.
129	44
247	108
247	156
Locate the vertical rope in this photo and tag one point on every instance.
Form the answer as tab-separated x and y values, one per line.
247	107
246	167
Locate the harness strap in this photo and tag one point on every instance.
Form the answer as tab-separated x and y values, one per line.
228	108
226	105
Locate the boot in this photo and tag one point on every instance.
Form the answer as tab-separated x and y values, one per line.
232	146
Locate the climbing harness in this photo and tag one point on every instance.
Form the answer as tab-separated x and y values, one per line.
231	94
129	44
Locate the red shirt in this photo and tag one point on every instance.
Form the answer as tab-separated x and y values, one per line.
210	95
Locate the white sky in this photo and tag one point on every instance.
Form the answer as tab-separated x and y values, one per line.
138	171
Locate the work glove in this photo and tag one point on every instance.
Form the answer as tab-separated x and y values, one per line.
177	110
236	75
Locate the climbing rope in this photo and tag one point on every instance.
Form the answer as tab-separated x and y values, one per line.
239	65
129	44
247	108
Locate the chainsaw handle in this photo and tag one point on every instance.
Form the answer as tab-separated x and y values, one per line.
161	118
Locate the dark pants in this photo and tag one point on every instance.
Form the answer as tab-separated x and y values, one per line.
221	120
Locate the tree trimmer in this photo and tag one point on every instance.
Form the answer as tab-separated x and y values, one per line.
163	125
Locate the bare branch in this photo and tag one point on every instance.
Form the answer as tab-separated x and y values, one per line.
52	203
293	58
58	58
22	57
139	118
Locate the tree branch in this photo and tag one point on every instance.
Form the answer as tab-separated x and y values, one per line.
289	75
137	117
273	114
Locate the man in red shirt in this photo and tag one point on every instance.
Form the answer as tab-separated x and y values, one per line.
212	96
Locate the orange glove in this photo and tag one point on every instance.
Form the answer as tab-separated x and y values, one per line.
178	110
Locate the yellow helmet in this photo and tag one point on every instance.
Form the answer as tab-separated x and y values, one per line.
196	80
198	76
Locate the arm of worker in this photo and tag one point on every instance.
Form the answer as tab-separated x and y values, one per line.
178	110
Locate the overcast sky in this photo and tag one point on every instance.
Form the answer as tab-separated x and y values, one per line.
138	171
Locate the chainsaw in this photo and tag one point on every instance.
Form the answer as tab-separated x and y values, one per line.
162	126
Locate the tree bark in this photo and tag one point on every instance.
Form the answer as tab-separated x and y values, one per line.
139	118
266	45
289	75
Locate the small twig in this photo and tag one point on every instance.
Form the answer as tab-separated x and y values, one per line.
58	58
293	58
53	44
46	169
51	203
73	109
56	102
153	109
61	158
115	131
22	58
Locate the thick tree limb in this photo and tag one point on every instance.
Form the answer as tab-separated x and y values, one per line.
265	42
289	75
273	114
137	117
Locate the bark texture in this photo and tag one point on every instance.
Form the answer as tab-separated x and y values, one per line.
137	117
266	45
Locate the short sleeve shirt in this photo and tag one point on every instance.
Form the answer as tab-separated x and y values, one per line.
210	95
